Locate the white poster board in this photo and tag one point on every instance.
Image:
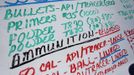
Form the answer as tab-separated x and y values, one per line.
66	37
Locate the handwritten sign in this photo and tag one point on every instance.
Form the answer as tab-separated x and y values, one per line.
66	37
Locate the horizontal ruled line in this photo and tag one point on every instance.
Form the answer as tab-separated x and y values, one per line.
29	3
